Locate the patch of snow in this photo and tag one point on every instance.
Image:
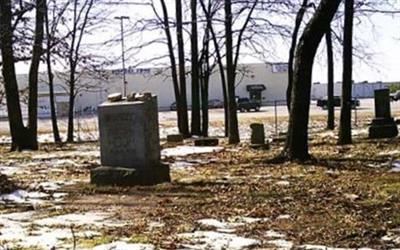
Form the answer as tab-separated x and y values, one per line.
94	219
6	170
218	224
22	196
320	247
283	217
389	153
249	220
181	165
188	150
281	244
120	245
19	230
52	185
274	234
230	225
217	241
283	183
155	224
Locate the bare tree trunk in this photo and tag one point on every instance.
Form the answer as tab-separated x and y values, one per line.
205	77
33	74
183	112
296	147
299	19
204	102
345	113
71	108
331	106
22	137
56	133
196	119
209	17
74	56
233	121
17	129
174	73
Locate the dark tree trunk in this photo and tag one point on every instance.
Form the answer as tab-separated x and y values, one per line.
299	19
77	34
17	129
33	74
196	119
56	133
204	103
22	137
182	110
174	72
331	106
220	66
71	108
296	147
205	76
233	121
345	113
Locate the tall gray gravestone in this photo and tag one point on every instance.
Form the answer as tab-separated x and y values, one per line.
257	139
129	143
383	126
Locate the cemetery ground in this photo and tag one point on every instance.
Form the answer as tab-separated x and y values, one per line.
225	197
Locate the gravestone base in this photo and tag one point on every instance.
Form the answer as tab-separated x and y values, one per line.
206	142
175	138
119	176
383	128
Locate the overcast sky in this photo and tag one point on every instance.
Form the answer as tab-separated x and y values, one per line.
379	37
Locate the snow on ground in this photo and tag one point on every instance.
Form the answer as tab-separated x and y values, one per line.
85	219
21	196
120	245
11	170
29	230
217	241
188	150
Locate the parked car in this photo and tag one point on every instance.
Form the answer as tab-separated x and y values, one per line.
245	104
323	103
215	104
395	96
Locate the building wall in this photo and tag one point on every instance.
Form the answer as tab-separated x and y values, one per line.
359	90
159	82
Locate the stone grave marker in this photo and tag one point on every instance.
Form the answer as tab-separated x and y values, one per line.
129	144
258	136
383	126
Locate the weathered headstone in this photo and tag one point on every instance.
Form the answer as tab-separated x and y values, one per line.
175	138
129	144
383	126
258	136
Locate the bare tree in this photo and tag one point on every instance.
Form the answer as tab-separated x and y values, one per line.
81	15
22	137
292	50
51	41
296	146
196	119
330	62
345	114
182	112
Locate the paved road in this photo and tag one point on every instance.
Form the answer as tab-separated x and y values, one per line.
366	106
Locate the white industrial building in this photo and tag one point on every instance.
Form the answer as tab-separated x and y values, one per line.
267	80
272	77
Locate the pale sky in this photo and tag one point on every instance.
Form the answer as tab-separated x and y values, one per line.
380	35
